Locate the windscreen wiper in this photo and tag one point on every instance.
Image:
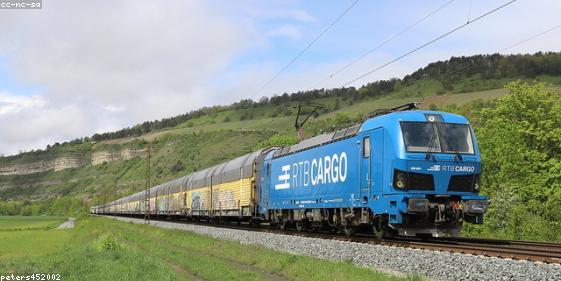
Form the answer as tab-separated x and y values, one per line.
429	151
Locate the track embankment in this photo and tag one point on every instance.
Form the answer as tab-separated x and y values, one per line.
409	257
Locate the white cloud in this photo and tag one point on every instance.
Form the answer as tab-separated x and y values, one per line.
11	104
103	65
270	10
114	108
287	30
106	65
31	122
294	14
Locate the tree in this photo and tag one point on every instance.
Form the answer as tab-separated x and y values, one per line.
341	119
177	167
520	140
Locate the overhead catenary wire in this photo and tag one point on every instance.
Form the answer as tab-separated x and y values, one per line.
428	43
383	43
307	47
530	38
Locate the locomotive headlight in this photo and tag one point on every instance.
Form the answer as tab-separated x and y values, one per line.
475	206
400	183
399	179
418	205
476	183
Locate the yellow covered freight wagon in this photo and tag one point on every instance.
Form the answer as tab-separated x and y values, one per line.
227	189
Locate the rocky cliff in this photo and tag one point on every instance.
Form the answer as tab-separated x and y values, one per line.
67	162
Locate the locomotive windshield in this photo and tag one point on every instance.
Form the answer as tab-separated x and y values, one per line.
437	137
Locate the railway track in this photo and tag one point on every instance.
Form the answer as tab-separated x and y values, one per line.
518	250
507	249
510	249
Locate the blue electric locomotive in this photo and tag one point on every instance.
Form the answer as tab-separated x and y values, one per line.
405	172
402	171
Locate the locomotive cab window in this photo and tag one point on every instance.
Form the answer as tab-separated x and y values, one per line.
456	138
366	147
437	137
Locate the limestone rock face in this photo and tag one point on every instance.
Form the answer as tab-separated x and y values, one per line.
67	162
100	157
28	168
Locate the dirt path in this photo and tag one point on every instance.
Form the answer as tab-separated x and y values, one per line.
67	224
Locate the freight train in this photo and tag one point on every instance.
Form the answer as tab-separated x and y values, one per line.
399	172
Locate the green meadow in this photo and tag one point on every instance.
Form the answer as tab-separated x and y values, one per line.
30	236
29	222
104	249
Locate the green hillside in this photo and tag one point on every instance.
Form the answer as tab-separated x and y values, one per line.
204	137
196	144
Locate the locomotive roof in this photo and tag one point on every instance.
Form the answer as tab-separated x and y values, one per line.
318	140
412	115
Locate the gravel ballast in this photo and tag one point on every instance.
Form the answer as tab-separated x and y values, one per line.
434	265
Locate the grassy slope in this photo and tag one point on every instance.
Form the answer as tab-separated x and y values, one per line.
207	140
284	124
193	151
103	249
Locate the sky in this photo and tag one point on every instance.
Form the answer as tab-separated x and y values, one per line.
76	67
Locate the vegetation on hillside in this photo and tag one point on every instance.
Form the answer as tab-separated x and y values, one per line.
458	74
454	75
65	205
519	137
173	156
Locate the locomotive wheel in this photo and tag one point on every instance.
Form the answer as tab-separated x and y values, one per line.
254	223
378	229
299	226
347	230
282	225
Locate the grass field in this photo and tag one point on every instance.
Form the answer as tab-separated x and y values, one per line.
29	222
30	236
103	249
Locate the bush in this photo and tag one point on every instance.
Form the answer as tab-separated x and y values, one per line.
519	138
107	242
177	167
278	140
